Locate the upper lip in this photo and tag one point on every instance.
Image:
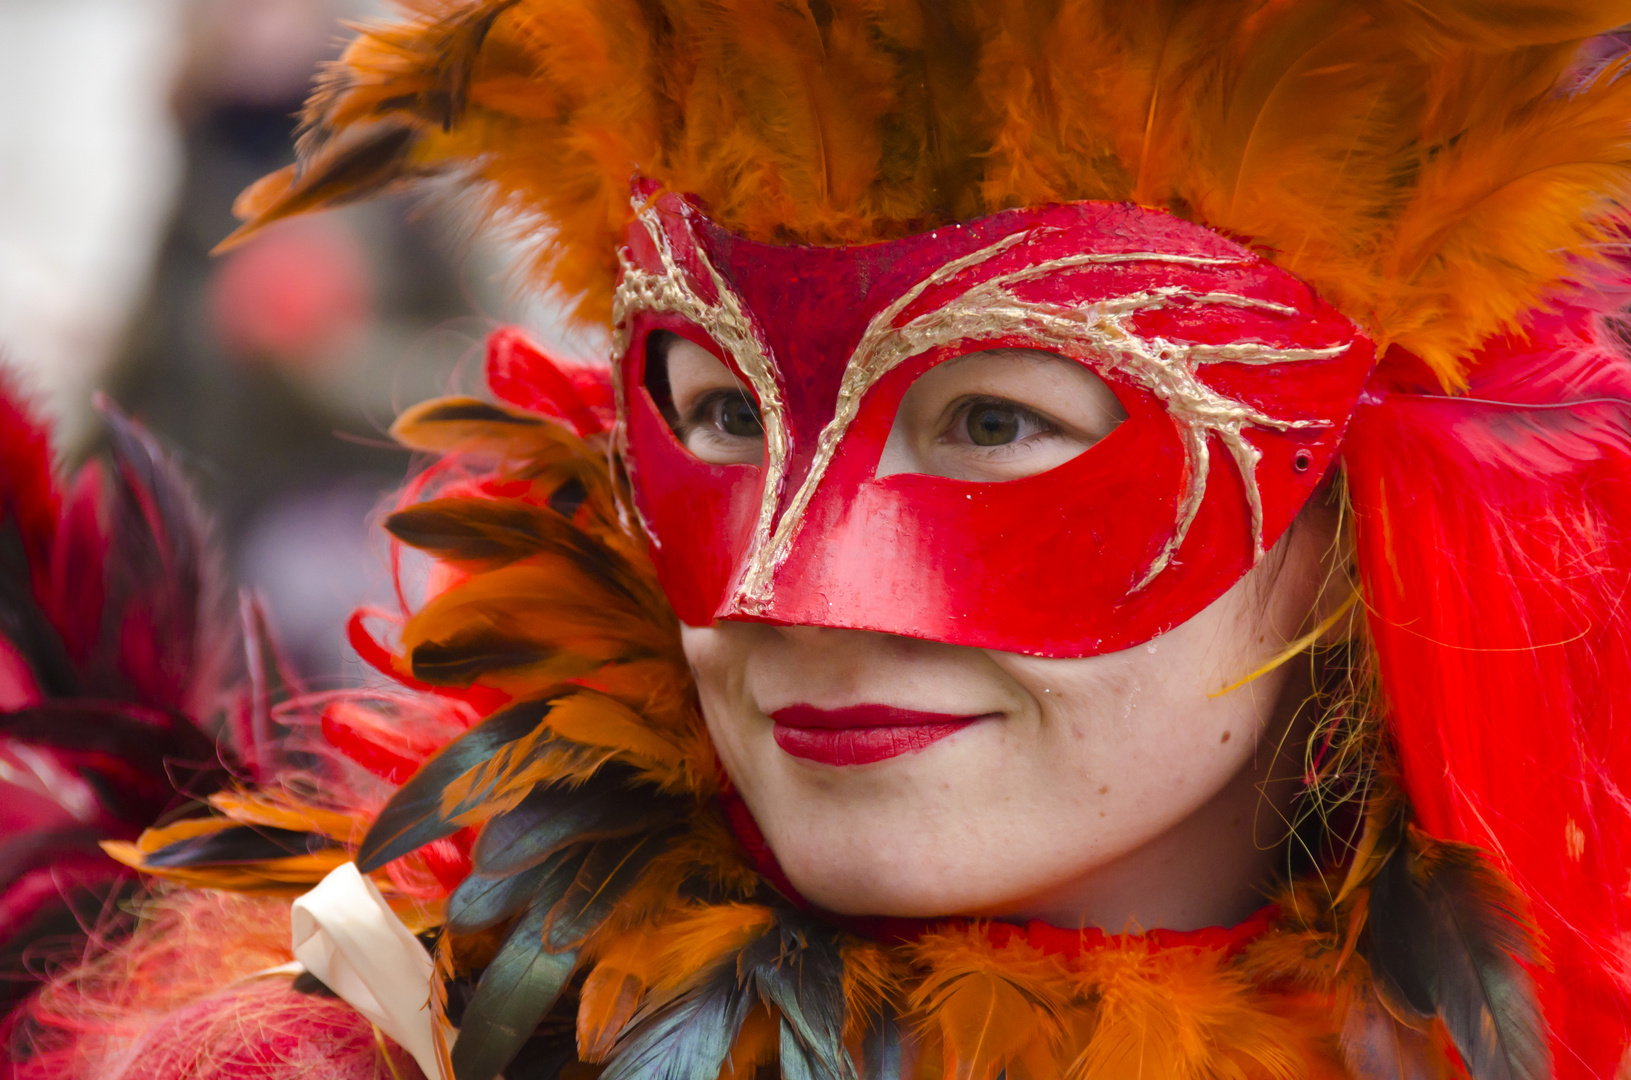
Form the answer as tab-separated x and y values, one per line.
864	716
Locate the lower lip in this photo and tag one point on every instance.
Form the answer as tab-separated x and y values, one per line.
862	734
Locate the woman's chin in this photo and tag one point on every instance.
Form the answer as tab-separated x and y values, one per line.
900	894
889	868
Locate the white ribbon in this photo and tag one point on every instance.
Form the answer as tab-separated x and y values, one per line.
346	935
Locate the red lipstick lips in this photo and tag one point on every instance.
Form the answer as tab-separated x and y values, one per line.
861	734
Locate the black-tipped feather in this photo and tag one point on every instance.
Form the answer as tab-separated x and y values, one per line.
238	844
568	497
1448	938
606	805
470	410
357	164
444	101
489	530
497	531
515	992
466	657
415	815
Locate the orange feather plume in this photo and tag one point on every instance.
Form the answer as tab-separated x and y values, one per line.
1429	168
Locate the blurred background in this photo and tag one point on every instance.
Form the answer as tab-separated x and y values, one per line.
274	371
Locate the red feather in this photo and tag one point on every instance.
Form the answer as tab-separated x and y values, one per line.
1496	559
522	374
29	496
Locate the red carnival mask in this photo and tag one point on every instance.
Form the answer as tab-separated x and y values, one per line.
1237	380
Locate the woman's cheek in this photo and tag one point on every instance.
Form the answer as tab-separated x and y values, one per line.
1133	737
718	664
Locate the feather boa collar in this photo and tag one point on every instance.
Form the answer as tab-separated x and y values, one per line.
591	907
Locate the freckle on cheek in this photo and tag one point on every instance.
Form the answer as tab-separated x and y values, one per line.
1227	735
1104	789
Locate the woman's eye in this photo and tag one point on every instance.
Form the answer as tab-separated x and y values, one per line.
994	424
723	426
735	415
711	412
998	414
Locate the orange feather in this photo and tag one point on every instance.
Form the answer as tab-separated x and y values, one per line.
606	1004
1370	147
990	1009
756	1045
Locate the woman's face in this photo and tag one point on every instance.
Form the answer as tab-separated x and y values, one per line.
893	776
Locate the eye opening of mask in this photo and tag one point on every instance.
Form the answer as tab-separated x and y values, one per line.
999	414
712	414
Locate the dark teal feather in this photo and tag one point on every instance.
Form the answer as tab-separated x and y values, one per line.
795	968
480	902
609	869
880	1048
687	1037
798	969
1447	939
544	1057
514	993
1376	1046
608	804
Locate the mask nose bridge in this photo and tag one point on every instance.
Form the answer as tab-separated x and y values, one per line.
809	333
805	420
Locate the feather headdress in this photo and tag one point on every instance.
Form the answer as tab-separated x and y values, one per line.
1442	173
1429	168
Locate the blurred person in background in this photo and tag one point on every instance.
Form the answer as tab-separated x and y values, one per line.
89	167
276	368
265	379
